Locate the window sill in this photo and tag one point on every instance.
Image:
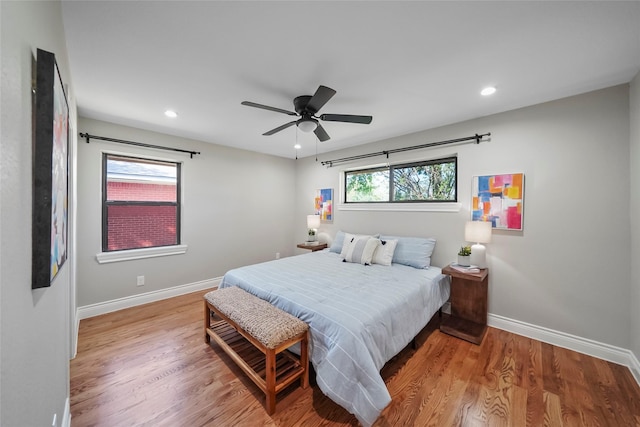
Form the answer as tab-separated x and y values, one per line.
132	254
402	207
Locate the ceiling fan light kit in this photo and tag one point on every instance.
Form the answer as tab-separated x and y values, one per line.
306	107
307	125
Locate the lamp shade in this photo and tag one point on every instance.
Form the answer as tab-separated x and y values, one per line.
477	231
313	221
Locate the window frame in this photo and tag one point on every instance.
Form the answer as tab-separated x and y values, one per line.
390	168
144	251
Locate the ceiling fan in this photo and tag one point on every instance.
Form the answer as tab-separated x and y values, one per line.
306	107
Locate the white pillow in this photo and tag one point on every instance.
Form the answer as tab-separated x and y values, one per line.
384	252
345	238
359	249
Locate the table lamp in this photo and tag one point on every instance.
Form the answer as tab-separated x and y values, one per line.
313	223
478	232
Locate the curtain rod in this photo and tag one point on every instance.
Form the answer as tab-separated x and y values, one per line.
476	138
139	144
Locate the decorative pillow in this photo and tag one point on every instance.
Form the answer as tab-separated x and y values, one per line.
338	241
336	246
347	240
413	251
384	253
359	249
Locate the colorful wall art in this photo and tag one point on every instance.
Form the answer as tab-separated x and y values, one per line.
324	204
498	199
50	173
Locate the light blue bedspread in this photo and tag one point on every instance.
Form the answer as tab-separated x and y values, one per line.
359	317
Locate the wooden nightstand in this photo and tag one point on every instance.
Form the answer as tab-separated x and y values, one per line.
468	318
312	247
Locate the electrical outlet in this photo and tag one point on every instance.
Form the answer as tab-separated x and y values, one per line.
277	255
140	281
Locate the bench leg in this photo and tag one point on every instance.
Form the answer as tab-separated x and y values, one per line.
271	381
207	322
304	361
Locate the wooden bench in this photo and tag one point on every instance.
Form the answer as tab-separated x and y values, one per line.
255	334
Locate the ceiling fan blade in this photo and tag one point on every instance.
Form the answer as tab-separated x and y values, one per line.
321	133
321	97
266	107
279	128
349	118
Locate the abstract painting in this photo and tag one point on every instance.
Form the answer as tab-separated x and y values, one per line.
50	173
498	199
324	204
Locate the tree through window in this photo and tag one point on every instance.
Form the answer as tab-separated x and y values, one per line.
428	181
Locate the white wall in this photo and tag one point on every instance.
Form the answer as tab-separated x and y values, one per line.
635	215
569	269
34	345
237	209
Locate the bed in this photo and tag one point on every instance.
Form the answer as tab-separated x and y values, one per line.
359	316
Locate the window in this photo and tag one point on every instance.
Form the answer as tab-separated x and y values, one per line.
428	181
140	203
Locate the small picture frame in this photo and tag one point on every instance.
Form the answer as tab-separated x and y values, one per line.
323	202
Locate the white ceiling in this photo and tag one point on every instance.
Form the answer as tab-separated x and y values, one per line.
411	65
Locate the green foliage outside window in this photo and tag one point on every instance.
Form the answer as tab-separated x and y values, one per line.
431	181
368	186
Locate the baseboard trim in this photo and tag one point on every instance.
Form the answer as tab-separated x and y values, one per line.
586	346
66	417
635	367
75	334
97	309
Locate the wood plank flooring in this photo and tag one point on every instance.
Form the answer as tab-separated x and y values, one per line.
149	366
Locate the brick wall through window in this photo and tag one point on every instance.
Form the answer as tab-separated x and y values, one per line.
139	191
141	226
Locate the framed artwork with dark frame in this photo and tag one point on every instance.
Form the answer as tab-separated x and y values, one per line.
50	172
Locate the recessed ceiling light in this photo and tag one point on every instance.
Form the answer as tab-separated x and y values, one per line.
171	113
297	146
490	90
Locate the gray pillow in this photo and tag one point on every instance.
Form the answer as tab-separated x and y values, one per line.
412	251
338	241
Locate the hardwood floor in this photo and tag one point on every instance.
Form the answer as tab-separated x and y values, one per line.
149	366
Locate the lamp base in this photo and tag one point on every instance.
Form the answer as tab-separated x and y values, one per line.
479	255
312	236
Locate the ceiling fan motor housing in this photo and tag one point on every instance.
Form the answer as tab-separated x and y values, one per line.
300	105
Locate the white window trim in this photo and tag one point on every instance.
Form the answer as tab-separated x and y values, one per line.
402	207
141	253
132	254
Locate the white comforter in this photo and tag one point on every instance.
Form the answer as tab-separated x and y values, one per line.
359	317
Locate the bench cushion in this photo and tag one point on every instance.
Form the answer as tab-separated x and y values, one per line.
263	321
